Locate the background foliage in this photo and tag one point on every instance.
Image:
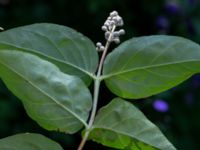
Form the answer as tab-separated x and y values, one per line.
176	111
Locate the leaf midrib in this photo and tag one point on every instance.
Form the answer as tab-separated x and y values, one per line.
123	133
41	35
57	49
46	94
146	67
50	57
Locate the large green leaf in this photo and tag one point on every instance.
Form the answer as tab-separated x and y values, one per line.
57	101
121	125
72	52
149	65
28	141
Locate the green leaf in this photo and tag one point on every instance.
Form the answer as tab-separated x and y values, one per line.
72	52
28	141
121	125
55	100
148	65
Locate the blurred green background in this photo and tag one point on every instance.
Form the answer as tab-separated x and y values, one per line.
176	111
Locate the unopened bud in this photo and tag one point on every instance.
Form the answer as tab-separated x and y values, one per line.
98	44
115	34
99	47
112	23
120	23
109	18
107	24
102	48
114	13
104	28
121	32
116	40
107	34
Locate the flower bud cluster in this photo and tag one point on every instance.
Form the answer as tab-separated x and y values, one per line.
113	21
99	46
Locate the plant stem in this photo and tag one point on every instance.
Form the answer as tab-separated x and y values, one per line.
104	53
97	82
94	108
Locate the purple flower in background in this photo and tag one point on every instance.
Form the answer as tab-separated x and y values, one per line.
172	7
160	105
162	22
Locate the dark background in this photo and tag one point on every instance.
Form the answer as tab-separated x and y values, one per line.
180	122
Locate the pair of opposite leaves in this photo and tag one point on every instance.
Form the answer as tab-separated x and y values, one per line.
137	68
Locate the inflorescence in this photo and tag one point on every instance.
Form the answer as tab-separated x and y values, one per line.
113	21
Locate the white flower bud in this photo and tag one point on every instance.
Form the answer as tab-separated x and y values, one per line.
114	13
115	18
109	18
99	47
112	23
98	44
104	28
120	23
102	48
107	24
118	18
121	32
107	34
116	40
115	34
